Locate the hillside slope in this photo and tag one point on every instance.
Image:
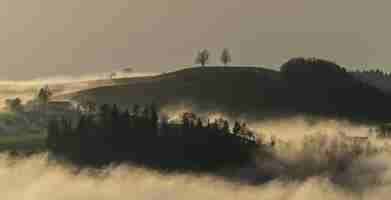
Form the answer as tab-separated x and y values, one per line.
251	90
377	79
207	88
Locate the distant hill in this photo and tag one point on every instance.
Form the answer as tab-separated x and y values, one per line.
303	86
376	78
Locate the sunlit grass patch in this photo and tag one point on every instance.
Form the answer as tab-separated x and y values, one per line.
27	142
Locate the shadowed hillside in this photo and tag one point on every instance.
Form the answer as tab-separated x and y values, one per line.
303	86
207	88
376	78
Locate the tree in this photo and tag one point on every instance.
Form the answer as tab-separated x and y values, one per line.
226	127
154	119
236	129
127	70
199	124
226	57
115	113
136	110
88	106
14	104
105	110
202	57
113	75
44	95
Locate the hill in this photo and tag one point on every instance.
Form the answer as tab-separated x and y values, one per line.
211	88
303	86
376	78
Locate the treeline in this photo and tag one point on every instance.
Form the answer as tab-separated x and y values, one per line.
377	78
141	136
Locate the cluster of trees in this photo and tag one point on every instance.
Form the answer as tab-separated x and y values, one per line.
203	57
42	99
375	72
141	136
377	78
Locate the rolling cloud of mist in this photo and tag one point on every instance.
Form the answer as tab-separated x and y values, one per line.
287	128
308	149
34	178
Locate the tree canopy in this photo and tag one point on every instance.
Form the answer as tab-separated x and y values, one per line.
115	135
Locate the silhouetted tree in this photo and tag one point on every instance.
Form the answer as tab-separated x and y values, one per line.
199	124
226	57
202	57
113	75
236	129
89	106
44	95
127	70
136	110
115	113
226	127
154	119
105	113
14	104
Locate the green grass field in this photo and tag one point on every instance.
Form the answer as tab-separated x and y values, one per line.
26	139
23	142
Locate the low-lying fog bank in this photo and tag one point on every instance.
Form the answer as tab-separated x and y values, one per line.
314	162
300	159
33	178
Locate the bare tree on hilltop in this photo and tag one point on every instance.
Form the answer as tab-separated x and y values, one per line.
44	95
202	57
226	57
112	75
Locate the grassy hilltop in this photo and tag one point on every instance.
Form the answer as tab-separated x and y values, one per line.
236	89
310	86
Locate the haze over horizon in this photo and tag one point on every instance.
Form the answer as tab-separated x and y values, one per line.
46	38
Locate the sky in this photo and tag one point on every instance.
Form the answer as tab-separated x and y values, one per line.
43	38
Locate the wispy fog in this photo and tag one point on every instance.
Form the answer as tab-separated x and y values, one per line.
34	178
299	169
60	85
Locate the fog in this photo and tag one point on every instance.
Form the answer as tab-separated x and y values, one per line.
305	163
286	128
34	177
60	85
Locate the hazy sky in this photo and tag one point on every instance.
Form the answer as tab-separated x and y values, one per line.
46	37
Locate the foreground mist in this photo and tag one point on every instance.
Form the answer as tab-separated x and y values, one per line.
34	178
300	170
